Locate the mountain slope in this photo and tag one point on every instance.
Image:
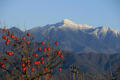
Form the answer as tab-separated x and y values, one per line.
92	62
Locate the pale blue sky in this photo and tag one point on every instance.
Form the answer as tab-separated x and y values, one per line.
41	12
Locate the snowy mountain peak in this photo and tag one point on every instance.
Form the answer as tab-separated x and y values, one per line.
67	21
68	24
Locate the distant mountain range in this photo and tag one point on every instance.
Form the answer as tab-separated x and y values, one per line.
78	38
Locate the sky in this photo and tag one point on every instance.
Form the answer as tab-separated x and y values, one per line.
31	13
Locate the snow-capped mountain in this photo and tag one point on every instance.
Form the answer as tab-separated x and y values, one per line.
80	37
99	32
68	24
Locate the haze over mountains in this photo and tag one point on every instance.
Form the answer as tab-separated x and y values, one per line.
79	38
